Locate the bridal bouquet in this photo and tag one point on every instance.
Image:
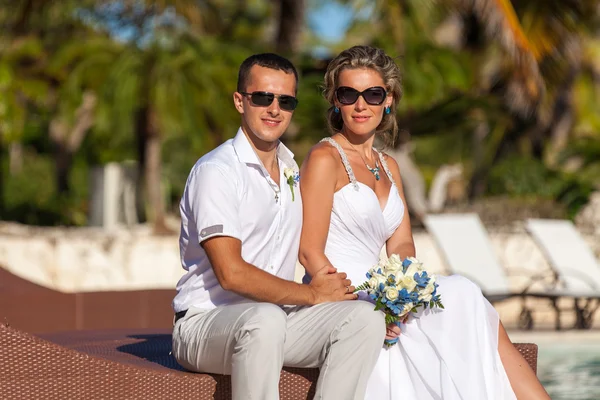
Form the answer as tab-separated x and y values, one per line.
400	286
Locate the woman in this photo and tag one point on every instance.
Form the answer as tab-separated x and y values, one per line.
353	204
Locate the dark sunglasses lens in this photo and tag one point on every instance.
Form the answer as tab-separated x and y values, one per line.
262	99
347	95
374	96
288	103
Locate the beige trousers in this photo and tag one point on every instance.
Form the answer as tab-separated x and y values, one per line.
252	341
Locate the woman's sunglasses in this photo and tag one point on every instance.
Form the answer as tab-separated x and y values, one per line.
264	99
373	96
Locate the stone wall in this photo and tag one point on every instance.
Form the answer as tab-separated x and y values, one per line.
92	259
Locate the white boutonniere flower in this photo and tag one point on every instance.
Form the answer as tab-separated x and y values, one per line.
292	176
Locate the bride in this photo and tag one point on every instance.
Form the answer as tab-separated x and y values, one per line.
353	204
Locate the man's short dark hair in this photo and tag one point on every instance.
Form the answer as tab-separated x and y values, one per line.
267	60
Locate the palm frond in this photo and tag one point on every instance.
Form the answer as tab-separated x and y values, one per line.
501	23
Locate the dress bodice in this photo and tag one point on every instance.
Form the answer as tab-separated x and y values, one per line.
359	227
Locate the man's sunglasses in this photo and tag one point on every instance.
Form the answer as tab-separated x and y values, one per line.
264	99
373	96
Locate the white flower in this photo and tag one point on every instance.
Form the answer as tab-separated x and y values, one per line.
288	172
391	293
394	262
411	270
426	293
406	281
292	177
376	278
373	282
415	263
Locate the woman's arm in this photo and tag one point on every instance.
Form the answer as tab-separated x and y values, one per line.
401	242
318	179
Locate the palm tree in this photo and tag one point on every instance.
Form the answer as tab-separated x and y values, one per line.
34	30
172	85
515	50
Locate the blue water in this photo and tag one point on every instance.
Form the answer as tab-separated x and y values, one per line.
570	371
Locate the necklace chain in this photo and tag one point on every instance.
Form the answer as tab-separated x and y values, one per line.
374	171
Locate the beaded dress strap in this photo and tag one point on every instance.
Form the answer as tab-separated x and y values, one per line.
344	160
385	167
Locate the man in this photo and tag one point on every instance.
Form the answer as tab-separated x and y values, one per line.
238	310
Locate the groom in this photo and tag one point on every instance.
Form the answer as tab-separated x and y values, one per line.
238	310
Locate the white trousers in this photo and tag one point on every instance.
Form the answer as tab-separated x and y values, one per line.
253	341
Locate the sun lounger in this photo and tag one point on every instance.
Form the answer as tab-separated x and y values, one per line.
466	247
577	270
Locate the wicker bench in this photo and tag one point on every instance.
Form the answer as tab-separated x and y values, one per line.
122	364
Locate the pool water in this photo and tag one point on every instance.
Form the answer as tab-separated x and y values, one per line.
570	371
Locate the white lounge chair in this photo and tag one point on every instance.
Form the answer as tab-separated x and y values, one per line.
466	247
576	266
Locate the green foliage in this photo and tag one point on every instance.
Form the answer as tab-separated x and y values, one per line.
524	176
180	59
529	178
31	195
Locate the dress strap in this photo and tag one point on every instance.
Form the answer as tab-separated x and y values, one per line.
344	160
385	167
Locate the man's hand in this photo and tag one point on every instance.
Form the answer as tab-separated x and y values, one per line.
329	285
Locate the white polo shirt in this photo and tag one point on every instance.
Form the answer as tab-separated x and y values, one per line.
230	193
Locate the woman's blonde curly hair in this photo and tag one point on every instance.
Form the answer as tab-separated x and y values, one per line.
365	57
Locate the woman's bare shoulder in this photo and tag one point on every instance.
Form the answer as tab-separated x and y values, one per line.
322	154
391	161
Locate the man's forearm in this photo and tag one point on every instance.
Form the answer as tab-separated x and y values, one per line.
256	284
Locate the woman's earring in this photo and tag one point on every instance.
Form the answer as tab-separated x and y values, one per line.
336	110
387	110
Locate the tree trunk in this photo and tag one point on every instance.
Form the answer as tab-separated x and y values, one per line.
15	158
2	208
291	20
477	184
563	118
64	162
67	139
151	165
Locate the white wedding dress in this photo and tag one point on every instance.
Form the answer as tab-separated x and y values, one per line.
442	354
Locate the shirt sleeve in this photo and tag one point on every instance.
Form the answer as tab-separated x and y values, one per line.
212	200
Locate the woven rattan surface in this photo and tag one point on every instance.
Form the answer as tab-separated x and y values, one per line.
33	308
122	364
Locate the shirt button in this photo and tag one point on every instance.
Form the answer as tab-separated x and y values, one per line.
271	268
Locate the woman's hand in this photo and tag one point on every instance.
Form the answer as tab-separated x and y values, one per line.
392	331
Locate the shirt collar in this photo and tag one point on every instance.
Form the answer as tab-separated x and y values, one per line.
246	153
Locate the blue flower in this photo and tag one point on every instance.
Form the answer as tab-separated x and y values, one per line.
422	280
403	295
414	297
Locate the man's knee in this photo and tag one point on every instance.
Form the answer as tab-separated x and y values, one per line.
264	322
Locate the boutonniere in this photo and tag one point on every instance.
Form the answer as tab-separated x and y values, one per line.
292	177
